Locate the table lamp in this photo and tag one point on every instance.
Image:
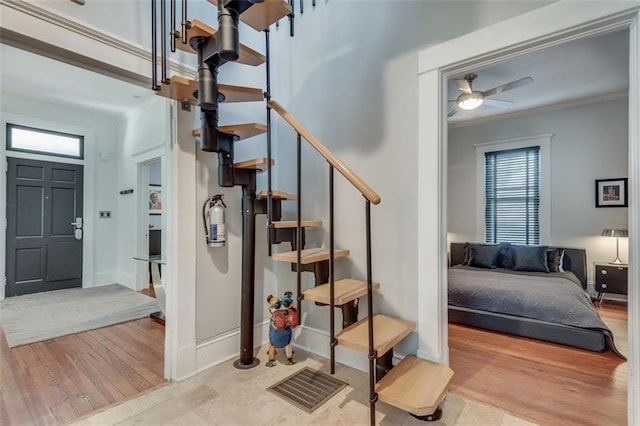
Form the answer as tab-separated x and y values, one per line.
617	234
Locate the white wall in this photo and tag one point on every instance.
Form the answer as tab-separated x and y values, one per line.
143	135
590	142
99	260
349	75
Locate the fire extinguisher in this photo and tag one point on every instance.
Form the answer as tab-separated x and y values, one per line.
213	220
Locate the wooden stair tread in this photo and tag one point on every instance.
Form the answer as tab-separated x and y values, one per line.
240	93
242	131
248	56
261	15
387	332
415	385
259	164
345	290
276	195
294	224
311	255
182	89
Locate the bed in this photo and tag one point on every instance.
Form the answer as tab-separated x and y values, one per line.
488	290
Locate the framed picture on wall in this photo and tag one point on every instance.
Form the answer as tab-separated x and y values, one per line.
611	192
155	199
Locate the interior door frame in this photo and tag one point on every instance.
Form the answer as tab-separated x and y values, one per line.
554	24
88	204
142	227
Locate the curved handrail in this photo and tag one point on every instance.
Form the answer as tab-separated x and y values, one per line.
355	180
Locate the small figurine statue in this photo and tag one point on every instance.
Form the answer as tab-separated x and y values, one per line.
284	318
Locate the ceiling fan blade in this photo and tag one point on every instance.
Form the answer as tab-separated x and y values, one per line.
498	103
464	86
509	86
453	112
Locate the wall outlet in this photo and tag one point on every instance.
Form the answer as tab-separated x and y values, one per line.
105	215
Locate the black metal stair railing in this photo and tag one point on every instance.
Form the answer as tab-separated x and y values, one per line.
370	197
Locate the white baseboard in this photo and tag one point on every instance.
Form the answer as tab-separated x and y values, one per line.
104	278
128	280
225	347
185	361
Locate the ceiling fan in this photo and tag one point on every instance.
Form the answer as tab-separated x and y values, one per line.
471	99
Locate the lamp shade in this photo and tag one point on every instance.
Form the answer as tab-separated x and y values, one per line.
617	233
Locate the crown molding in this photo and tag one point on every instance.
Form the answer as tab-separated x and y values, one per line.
51	16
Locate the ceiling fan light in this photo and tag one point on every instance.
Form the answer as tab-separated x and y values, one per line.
469	102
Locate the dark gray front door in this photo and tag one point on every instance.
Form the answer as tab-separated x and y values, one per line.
43	252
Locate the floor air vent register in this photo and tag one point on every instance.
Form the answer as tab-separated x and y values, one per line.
307	389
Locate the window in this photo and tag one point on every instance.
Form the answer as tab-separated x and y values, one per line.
512	196
27	139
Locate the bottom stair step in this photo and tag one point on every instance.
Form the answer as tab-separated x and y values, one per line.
415	385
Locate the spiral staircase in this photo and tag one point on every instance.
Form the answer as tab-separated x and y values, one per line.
414	385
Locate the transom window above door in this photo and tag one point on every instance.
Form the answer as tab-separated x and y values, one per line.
29	139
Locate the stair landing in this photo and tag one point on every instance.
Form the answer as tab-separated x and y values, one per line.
345	290
387	332
415	385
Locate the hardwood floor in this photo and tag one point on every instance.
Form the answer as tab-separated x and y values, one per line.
59	380
543	382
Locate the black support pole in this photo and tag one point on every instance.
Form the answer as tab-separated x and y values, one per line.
247	359
228	36
173	34
185	22
292	16
299	223
267	96
163	40
154	47
373	396
332	280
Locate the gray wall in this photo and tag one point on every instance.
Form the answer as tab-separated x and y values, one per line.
590	142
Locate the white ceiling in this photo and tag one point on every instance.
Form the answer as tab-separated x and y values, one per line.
25	74
578	70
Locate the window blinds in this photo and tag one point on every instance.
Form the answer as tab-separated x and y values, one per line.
512	194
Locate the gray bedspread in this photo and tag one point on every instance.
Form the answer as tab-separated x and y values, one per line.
554	297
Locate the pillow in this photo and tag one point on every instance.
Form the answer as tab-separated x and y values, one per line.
505	258
530	258
484	255
555	258
467	254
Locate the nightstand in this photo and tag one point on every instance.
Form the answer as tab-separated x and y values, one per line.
610	278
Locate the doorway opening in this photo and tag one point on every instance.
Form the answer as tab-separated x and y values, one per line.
474	51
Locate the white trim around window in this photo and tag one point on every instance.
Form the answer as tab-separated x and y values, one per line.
544	142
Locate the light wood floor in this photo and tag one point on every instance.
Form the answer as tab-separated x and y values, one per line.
59	380
542	382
